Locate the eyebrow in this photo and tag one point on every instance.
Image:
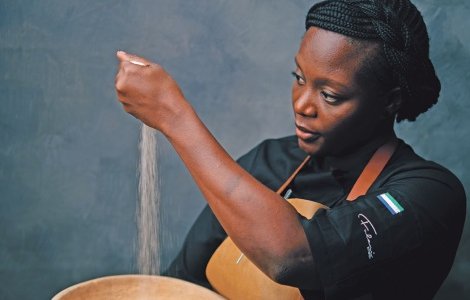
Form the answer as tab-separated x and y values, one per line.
324	81
296	62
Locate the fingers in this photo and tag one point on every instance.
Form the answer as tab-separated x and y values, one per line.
134	59
128	63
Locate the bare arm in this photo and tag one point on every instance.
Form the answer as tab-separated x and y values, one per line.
263	225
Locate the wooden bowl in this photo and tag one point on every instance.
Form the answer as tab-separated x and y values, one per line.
136	287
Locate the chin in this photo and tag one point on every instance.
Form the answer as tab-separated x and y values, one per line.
311	148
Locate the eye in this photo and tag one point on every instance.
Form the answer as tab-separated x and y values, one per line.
332	99
300	80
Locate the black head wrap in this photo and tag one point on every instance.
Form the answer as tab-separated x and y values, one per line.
399	27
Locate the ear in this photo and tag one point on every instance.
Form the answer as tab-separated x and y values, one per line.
393	101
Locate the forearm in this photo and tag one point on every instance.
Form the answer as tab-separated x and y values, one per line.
263	225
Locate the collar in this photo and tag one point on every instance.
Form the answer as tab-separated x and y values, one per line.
347	168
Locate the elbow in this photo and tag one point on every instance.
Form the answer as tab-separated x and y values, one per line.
281	273
299	272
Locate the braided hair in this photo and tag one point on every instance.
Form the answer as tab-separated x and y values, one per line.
399	27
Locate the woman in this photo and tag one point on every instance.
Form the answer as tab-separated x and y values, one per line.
361	65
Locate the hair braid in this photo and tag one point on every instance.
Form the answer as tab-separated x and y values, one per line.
399	27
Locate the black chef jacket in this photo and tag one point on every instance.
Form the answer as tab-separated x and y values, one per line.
396	242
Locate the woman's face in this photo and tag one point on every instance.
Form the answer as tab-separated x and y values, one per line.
335	111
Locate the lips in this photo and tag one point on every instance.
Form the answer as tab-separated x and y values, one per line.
305	134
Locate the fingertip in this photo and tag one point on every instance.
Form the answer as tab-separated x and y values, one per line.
121	54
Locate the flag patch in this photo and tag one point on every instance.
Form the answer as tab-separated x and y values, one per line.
390	203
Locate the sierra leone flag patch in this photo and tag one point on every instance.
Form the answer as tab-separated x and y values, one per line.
390	203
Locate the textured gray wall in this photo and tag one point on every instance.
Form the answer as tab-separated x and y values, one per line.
68	152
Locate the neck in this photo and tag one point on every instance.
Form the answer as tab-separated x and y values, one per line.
379	136
360	153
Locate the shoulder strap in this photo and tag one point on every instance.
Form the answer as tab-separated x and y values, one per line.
292	176
373	169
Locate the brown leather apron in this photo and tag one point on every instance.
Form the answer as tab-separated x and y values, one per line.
235	277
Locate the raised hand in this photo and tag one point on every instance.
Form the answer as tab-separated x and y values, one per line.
148	92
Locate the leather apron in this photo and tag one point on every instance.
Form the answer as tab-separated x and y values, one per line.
234	276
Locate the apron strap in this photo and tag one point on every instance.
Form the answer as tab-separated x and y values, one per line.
292	176
373	169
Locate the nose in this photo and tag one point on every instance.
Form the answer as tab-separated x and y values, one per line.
304	104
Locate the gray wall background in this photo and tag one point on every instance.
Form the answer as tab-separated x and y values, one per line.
68	152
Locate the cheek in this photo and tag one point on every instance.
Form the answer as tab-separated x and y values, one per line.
340	117
351	126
